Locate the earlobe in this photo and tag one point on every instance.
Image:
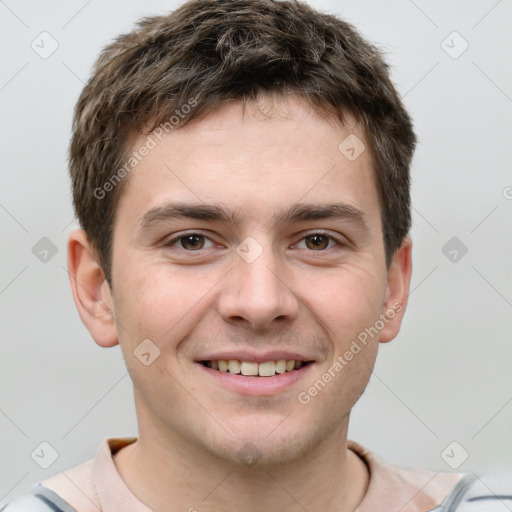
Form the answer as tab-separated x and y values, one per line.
397	291
91	291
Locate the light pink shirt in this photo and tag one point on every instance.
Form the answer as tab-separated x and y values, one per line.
96	484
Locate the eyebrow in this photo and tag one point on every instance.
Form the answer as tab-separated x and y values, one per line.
297	213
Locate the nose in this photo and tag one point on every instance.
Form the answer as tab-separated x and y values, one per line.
257	294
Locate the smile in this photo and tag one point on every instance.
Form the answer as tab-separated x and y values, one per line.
254	369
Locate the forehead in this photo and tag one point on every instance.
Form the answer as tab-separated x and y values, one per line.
255	157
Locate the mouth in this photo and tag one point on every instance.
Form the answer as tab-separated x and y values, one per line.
255	369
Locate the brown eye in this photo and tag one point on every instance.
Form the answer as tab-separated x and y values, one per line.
316	242
192	242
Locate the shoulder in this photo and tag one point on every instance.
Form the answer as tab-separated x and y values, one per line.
491	492
75	489
71	490
435	491
38	499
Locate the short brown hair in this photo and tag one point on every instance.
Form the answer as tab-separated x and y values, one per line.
213	51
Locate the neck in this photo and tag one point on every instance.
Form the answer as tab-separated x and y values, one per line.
161	469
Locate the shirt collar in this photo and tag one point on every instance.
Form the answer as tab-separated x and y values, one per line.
113	493
393	488
390	488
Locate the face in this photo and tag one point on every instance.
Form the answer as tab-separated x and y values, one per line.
250	239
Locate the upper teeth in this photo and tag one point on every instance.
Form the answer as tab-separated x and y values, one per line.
265	369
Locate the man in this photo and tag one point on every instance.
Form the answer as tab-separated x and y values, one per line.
240	170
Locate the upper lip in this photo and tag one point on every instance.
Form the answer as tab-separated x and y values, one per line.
256	357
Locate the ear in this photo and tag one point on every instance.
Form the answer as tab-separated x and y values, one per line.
91	291
397	291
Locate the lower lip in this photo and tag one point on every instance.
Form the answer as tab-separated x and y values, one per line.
257	386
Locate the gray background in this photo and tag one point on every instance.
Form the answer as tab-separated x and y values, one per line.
445	378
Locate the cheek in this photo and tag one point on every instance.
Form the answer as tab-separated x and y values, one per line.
353	379
348	302
347	310
160	304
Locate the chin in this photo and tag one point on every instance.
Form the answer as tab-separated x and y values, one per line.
264	447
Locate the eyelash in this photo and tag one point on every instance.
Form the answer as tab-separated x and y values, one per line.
172	241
